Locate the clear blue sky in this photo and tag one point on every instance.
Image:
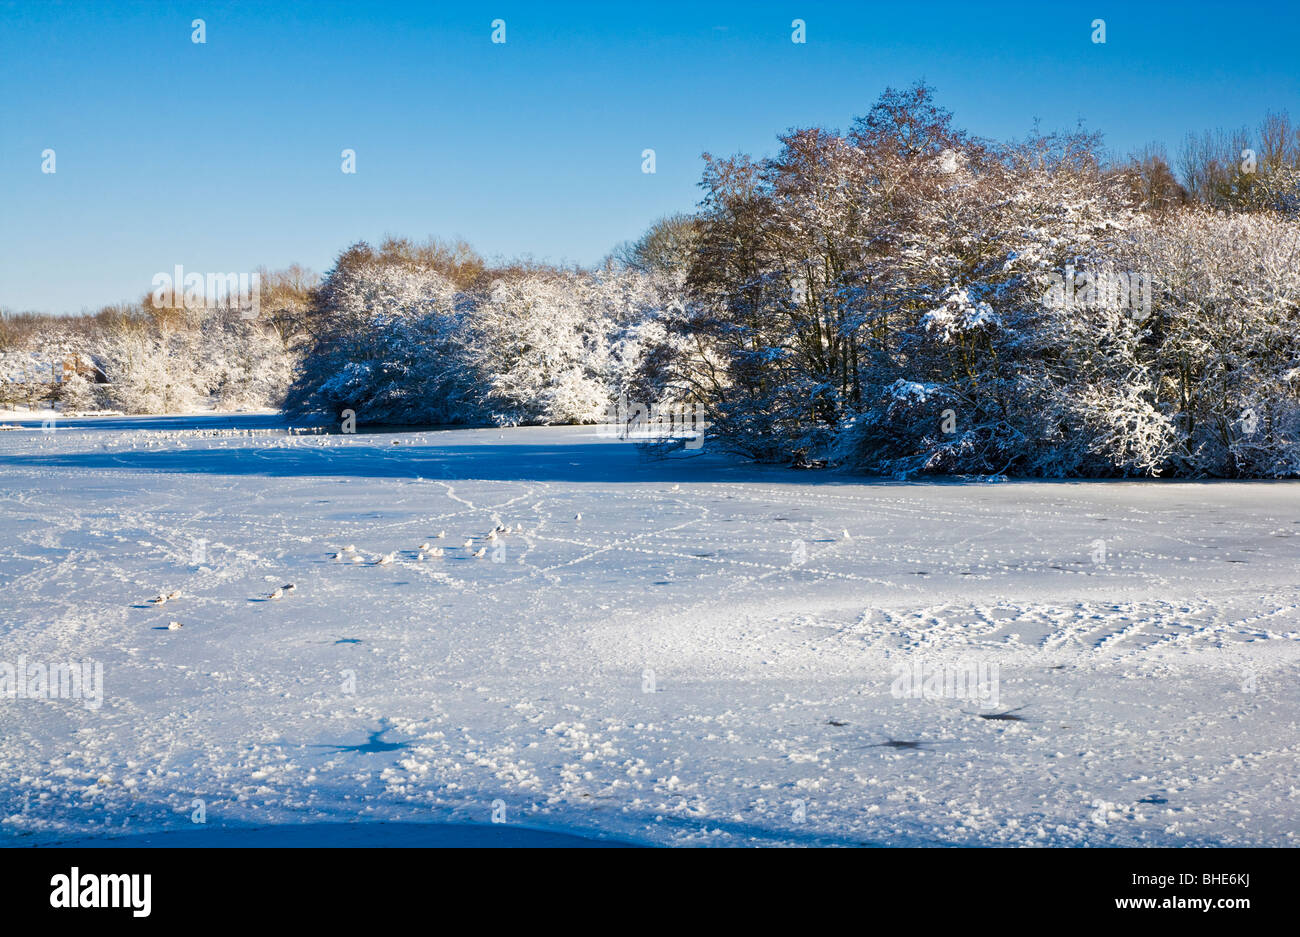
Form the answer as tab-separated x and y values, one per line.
225	156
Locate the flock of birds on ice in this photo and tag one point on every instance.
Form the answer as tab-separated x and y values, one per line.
425	551
350	554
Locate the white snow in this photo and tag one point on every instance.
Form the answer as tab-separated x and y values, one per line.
704	658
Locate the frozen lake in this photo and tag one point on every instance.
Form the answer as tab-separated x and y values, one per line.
710	655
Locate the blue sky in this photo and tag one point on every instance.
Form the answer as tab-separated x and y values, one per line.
225	156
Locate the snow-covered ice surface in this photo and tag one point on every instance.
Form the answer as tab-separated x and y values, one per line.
702	658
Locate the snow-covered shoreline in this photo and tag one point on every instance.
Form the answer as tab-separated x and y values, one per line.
704	657
46	413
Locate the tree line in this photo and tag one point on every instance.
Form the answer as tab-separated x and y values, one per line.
898	298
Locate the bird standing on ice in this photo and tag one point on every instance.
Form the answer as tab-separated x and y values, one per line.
480	553
385	560
174	626
577	517
845	535
436	551
492	535
424	546
276	594
441	534
469	544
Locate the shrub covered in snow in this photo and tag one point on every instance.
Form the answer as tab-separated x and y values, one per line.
399	342
139	359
